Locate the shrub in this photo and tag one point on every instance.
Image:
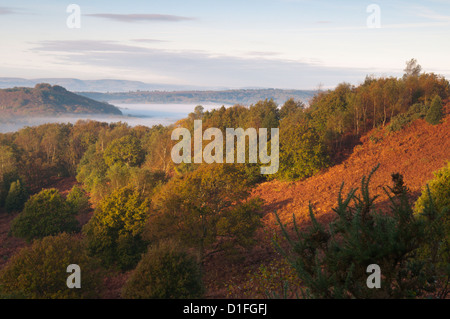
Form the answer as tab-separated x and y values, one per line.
17	196
439	188
78	199
166	271
5	185
399	121
436	251
46	213
39	271
435	114
114	232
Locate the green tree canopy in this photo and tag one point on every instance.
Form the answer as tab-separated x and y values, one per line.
263	114
302	151
126	150
114	231
46	213
39	271
166	271
435	112
436	197
291	107
17	196
204	206
78	199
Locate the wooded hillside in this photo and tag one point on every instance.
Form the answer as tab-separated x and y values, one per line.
45	99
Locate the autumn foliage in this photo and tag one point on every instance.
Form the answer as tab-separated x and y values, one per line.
137	203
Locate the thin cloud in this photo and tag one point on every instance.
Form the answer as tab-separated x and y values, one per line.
6	10
140	17
148	40
430	14
77	46
262	53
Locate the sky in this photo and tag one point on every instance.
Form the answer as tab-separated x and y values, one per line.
290	44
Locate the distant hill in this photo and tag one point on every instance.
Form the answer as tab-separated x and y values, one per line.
124	91
45	99
102	85
227	97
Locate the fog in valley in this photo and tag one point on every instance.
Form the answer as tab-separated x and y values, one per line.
133	114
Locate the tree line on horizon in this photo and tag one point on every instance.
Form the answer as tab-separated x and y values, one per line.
227	97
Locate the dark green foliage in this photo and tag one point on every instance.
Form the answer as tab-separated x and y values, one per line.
114	232
46	213
230	117
166	271
5	185
43	153
157	144
39	271
434	254
291	107
439	188
252	171
435	113
78	199
399	121
434	204
206	209
432	114
332	262
263	114
240	224
91	172
302	151
83	134
17	196
114	162
353	110
8	167
125	151
330	115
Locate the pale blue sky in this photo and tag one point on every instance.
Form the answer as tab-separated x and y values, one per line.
295	44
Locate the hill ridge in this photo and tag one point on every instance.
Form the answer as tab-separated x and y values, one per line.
45	99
